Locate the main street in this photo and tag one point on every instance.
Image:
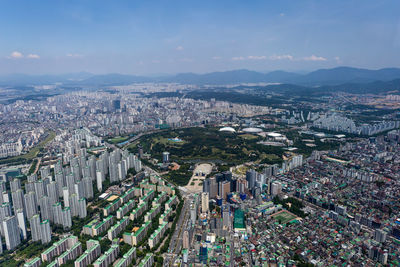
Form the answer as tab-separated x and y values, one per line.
175	245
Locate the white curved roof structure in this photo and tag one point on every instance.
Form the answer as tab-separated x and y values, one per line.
272	134
252	130
227	129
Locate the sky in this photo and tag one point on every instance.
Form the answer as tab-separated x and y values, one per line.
165	37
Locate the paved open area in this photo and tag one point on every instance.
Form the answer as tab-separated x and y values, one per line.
200	172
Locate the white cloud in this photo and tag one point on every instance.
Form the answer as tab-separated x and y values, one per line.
16	54
282	14
33	56
281	57
257	57
155	61
216	58
314	58
179	48
238	58
74	55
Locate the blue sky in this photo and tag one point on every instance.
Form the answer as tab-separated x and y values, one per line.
151	37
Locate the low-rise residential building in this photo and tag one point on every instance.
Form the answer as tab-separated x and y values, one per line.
158	234
117	228
108	257
127	259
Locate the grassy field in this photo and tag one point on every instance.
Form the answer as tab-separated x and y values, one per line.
118	139
33	152
284	217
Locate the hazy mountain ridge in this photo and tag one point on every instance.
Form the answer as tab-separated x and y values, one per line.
341	77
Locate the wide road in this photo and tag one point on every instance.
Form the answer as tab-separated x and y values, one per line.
175	245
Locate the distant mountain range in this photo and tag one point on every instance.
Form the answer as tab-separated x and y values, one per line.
318	78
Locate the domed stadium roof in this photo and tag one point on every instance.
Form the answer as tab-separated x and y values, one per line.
227	129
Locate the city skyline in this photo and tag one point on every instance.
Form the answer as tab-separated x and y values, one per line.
166	38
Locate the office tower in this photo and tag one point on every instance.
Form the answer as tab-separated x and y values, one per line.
15	184
204	202
261	178
276	188
251	176
219	177
99	181
82	211
52	192
30	204
233	185
66	196
224	189
380	235
21	223
193	212
227	176
241	185
256	192
11	232
213	187
35	227
45	208
206	185
165	157
18	200
45	232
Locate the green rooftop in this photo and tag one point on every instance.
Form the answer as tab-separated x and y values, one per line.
238	222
